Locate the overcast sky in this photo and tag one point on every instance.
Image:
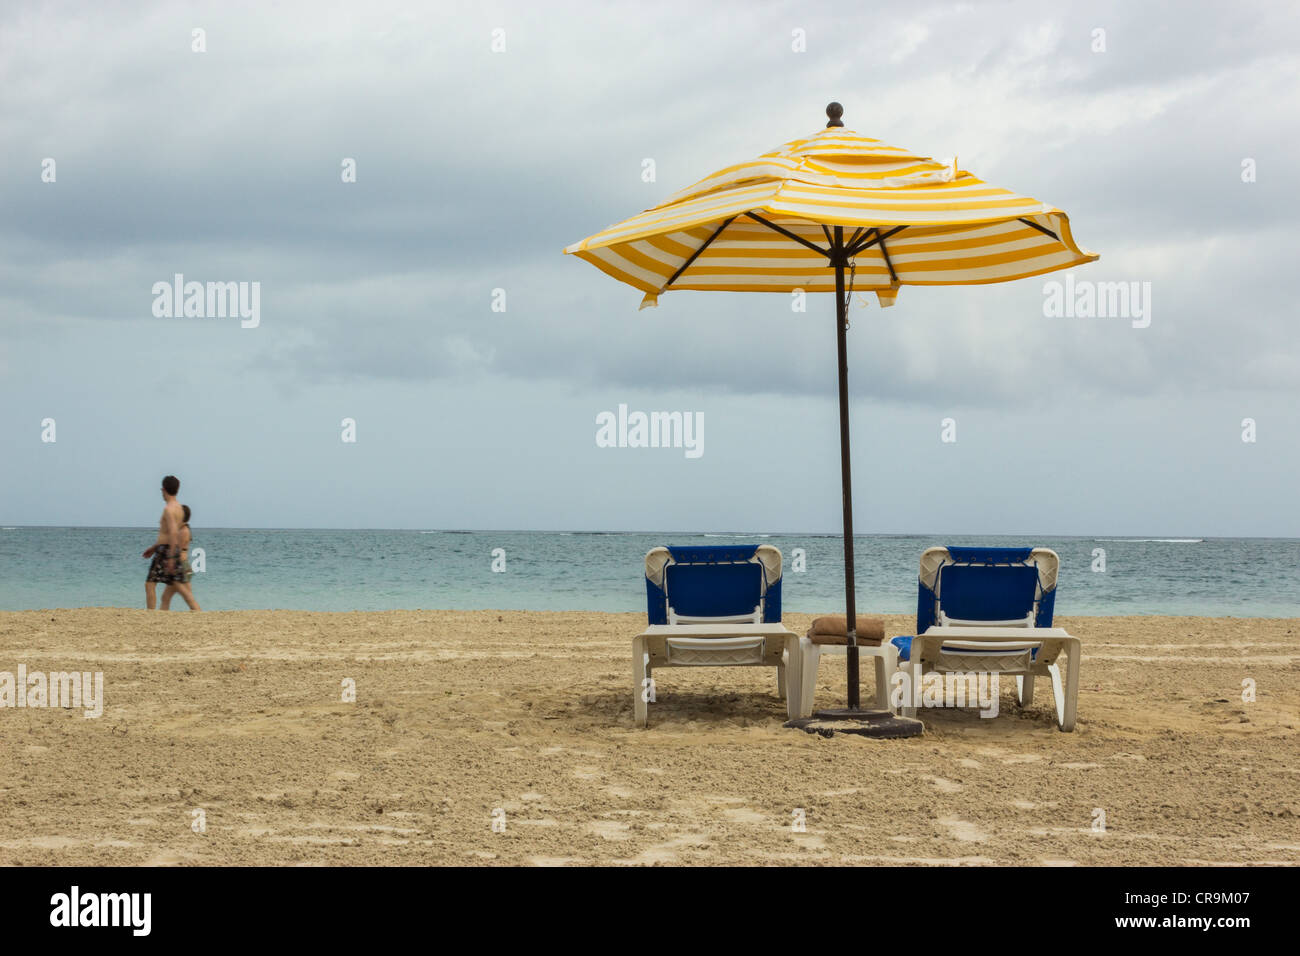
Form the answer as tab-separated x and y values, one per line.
475	168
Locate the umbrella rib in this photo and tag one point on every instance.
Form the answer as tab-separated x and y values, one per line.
868	238
695	255
1043	229
893	276
877	237
788	234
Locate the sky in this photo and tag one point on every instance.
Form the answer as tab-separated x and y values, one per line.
487	137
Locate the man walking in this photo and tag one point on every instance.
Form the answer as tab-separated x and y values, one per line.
166	550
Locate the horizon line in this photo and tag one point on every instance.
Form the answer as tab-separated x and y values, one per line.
783	534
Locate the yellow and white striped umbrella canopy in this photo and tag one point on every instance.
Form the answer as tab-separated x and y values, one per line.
909	220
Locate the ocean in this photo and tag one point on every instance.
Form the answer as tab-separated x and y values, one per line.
346	570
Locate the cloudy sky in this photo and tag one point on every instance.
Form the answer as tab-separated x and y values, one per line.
475	167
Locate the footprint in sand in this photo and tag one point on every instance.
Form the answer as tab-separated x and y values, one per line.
667	852
970	764
48	842
942	785
609	829
658	854
170	858
1022	758
744	815
963	830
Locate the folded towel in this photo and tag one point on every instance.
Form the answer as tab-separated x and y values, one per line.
833	630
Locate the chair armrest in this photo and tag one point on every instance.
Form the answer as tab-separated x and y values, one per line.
718	630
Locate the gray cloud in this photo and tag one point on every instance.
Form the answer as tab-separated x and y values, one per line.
475	169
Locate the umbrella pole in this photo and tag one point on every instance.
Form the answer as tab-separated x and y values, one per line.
853	720
850	603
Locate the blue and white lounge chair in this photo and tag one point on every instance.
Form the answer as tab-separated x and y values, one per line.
714	606
989	610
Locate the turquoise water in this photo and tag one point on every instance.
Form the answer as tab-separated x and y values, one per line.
322	570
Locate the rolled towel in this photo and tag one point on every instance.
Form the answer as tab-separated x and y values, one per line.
832	629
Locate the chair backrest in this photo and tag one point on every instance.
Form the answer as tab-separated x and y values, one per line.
988	586
707	584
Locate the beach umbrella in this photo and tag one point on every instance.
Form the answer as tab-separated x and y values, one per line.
835	212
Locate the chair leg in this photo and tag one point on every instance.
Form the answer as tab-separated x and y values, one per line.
893	671
640	689
780	678
793	678
882	682
811	654
1067	699
1025	689
1058	692
914	674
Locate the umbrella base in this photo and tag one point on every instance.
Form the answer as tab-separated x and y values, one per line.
880	724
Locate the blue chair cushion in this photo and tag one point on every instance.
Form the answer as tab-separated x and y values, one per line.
982	593
714	590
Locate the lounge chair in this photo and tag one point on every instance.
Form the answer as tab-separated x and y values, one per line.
714	607
989	610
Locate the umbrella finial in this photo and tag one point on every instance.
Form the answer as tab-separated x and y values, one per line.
834	111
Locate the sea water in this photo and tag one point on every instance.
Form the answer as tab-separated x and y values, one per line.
370	570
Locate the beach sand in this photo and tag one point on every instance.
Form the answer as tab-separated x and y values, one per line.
457	714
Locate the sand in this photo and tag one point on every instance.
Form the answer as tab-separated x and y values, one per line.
458	715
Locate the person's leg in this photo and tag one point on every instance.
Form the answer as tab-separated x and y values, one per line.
185	592
167	597
150	595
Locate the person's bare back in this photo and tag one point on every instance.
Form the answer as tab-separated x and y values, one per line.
169	525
